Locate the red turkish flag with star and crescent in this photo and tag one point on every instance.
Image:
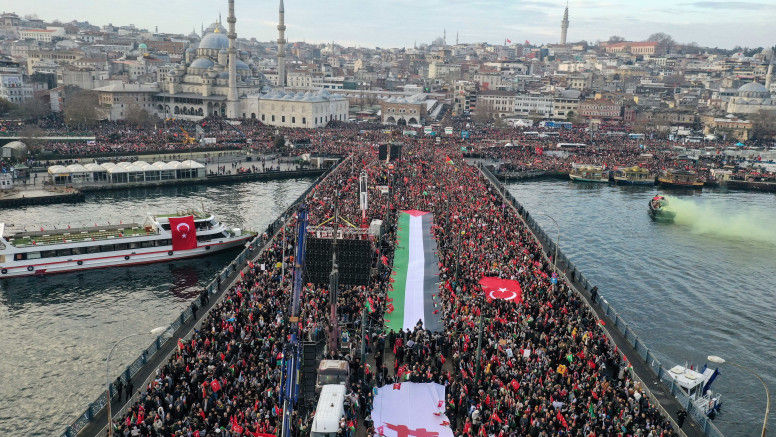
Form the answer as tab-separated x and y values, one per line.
184	233
505	289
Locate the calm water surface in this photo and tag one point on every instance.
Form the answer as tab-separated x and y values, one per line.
702	286
56	331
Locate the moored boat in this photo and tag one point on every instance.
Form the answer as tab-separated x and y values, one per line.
659	211
635	175
74	249
588	173
696	385
680	179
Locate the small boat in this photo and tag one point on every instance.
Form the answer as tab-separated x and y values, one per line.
696	386
658	210
74	249
680	179
634	176
588	173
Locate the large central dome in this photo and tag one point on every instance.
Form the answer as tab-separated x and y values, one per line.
215	41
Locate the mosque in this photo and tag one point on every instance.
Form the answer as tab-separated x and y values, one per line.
753	97
215	80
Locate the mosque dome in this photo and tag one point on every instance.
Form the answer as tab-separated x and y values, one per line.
242	65
142	46
214	41
203	63
754	90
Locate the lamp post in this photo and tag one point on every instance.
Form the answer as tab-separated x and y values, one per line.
557	243
720	360
155	331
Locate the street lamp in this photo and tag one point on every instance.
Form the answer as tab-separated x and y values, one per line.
720	360
557	243
155	331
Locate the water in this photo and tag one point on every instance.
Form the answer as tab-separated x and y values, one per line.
56	331
701	286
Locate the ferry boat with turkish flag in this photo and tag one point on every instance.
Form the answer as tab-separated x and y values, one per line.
161	238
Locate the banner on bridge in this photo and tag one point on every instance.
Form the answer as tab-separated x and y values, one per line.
411	409
413	296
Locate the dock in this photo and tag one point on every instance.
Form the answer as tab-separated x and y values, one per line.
42	196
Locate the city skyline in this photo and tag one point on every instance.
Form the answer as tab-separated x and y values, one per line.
708	23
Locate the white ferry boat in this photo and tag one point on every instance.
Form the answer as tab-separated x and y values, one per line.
66	250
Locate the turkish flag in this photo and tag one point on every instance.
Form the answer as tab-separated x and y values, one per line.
497	288
184	233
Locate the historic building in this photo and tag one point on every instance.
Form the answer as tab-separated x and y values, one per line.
404	110
753	98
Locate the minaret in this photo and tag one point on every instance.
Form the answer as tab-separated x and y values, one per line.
231	109
768	76
281	46
456	38
564	25
444	36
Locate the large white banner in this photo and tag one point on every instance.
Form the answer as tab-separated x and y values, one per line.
411	409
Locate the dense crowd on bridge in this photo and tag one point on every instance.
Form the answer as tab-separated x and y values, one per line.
547	366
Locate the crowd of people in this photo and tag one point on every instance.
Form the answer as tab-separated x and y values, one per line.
546	366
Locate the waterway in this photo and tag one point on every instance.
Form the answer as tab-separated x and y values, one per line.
56	331
701	286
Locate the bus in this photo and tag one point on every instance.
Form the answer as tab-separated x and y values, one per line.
330	409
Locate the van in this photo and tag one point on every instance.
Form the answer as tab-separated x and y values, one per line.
330	409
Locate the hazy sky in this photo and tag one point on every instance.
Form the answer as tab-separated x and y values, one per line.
397	23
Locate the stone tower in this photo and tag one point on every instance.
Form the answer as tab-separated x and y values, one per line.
232	102
282	81
564	25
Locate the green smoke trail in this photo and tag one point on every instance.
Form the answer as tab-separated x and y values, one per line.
752	223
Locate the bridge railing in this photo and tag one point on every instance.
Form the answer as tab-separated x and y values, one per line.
213	288
566	266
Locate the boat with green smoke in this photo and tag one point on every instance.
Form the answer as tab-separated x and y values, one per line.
660	211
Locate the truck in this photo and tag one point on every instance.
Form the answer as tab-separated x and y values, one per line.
332	372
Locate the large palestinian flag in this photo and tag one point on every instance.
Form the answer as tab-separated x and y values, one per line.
414	276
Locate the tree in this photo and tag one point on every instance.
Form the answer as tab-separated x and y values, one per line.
31	134
662	38
32	109
139	116
280	144
763	125
615	38
6	106
80	108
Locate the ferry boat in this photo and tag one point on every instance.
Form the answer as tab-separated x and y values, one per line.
659	211
696	386
634	176
588	173
67	250
680	179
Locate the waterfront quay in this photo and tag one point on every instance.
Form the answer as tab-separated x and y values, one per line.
566	358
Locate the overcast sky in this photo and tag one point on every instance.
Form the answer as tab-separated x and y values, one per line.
399	23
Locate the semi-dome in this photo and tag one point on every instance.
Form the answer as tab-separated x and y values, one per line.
753	89
215	41
242	65
202	63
